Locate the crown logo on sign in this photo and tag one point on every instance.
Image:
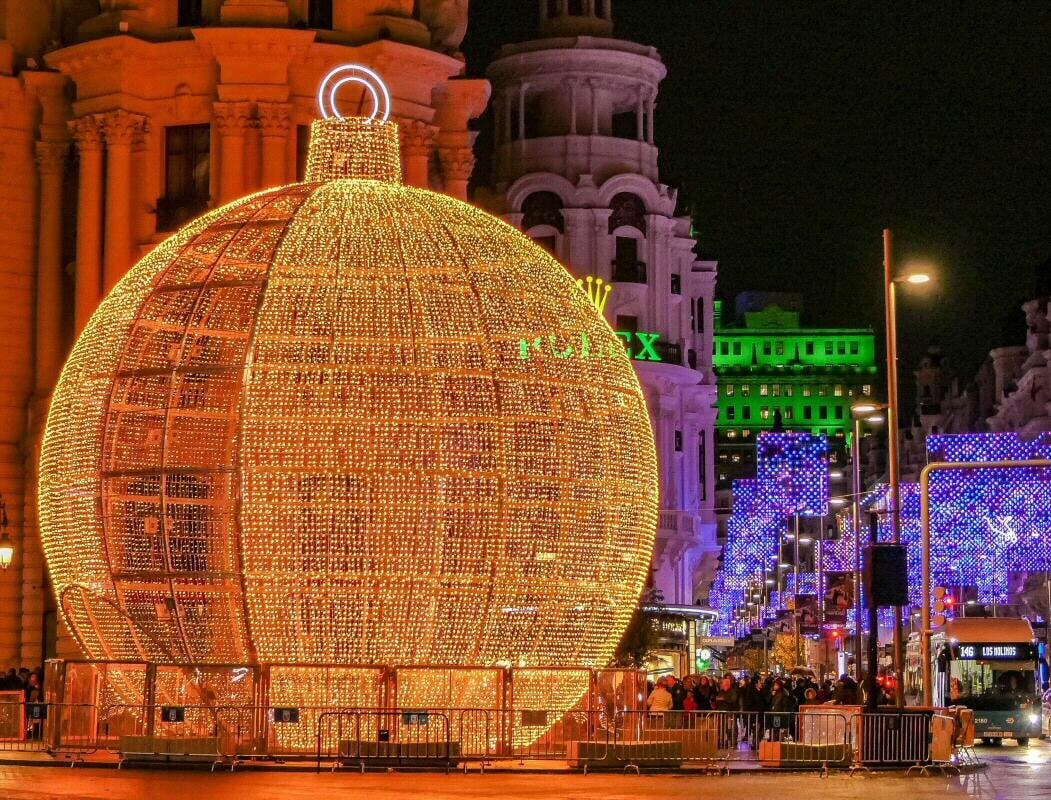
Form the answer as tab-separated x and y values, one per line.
597	291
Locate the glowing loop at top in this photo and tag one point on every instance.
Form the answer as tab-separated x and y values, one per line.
354	73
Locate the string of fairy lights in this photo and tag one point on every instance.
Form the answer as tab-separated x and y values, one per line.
300	432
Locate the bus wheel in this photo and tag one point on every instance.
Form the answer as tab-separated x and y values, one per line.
1023	741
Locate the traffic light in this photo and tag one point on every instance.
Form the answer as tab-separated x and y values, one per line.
943	603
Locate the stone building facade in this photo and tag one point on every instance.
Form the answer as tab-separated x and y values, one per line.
121	120
575	167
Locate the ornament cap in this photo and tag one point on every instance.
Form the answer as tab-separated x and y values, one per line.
354	147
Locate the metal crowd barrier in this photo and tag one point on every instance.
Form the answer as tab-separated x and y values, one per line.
817	738
22	726
386	738
894	737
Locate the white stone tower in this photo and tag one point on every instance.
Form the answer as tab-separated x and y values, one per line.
575	167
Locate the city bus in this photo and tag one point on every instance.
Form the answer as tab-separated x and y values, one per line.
989	664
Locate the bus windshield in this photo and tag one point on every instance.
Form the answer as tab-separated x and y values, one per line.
992	686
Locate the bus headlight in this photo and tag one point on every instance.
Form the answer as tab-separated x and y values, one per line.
1034	719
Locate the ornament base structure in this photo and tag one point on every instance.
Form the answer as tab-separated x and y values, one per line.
481	712
300	432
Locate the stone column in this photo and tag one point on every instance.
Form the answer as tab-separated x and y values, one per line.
232	120
521	111
121	129
508	98
457	166
417	141
573	87
51	161
640	117
593	85
88	135
603	251
650	107
577	252
275	119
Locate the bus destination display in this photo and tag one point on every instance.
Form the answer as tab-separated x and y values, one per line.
996	652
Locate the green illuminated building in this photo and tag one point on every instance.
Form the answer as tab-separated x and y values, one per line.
771	369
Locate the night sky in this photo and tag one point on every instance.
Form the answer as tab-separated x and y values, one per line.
797	131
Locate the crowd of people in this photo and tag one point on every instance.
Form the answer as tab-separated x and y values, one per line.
29	686
753	703
755	693
29	682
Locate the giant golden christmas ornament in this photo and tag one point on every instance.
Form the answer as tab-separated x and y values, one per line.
348	422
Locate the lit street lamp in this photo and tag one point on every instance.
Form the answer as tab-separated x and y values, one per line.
7	548
894	466
861	411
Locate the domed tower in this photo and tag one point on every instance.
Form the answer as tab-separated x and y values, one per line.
575	167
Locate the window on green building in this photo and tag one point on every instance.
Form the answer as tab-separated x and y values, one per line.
807	391
788	390
767	348
731	412
724	348
737	348
764	390
765	413
729	391
839	412
788	412
810	348
822	412
855	348
866	389
746	412
839	390
808	412
746	390
828	348
779	348
775	390
841	348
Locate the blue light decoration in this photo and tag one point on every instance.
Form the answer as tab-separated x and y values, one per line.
792	478
985	525
988	524
792	471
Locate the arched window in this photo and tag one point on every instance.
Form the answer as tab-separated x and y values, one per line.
628	209
543	208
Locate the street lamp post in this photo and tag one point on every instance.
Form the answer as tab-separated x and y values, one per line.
795	587
894	466
862	410
855	454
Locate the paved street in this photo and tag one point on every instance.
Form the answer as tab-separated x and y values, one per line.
1013	774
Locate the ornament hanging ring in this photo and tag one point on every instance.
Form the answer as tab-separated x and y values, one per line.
354	73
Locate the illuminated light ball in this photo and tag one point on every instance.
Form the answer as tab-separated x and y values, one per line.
348	422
